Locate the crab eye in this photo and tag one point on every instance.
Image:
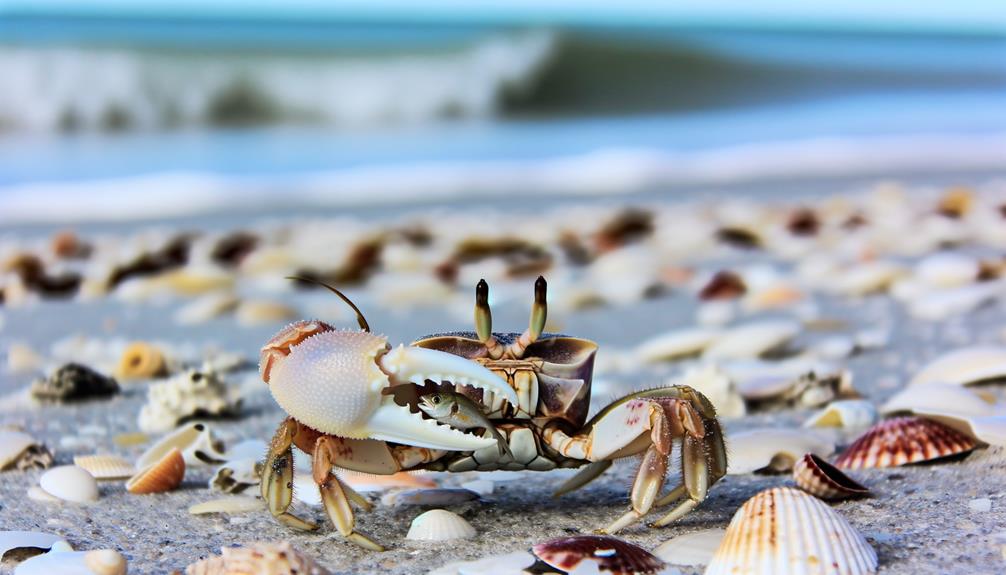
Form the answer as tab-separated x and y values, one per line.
436	399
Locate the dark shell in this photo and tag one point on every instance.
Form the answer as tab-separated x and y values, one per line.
74	381
724	284
612	555
904	440
822	479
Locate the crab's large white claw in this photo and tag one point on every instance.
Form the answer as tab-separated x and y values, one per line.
392	422
417	364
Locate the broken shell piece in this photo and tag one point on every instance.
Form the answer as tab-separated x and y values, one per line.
718	388
195	440
98	562
597	554
676	344
20	451
258	559
806	390
848	413
901	441
938	397
964	367
429	497
188	395
236	475
787	532
440	525
105	466
162	476
752	340
69	483
72	382
11	540
822	479
229	505
691	549
141	360
987	429
772	450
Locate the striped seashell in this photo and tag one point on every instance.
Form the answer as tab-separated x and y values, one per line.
162	476
440	525
141	360
822	479
609	555
901	441
258	559
783	531
105	466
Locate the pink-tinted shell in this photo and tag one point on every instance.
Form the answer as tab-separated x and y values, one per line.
822	479
279	346
901	441
612	555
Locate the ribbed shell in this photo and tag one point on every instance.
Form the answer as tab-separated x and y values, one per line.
821	479
162	476
258	559
783	531
440	525
612	555
105	466
901	441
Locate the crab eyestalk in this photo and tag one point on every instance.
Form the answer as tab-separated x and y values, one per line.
539	313
484	321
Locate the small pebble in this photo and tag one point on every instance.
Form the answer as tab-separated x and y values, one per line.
980	505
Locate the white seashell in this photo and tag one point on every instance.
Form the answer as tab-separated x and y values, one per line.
205	308
847	413
943	304
36	493
964	366
236	476
947	269
717	387
12	445
834	348
440	525
938	397
190	439
784	531
676	344
989	429
716	313
70	483
691	549
772	449
257	312
863	279
187	394
98	562
507	564
752	340
105	466
229	505
10	540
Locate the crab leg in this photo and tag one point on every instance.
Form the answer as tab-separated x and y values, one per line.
583	477
277	478
695	472
336	496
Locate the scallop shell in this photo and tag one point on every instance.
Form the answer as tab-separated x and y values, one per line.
258	559
20	450
229	505
848	413
105	466
691	549
440	525
195	440
98	562
903	440
69	483
822	479
988	429
772	449
10	540
964	366
784	531
141	360
752	340
164	475
676	344
938	397
609	554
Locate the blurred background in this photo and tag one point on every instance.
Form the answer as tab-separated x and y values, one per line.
122	110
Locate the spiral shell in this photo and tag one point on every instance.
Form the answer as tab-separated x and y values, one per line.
822	479
609	554
141	360
258	559
164	475
901	441
440	525
784	531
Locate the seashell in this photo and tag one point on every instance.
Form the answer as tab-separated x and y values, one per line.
787	532
607	554
943	304
848	413
69	483
723	284
772	450
835	348
141	360
864	279
11	540
195	440
229	505
938	397
777	296
947	269
105	466
691	549
72	382
901	441
507	564
806	390
36	493
717	387
205	308
964	366
822	479
990	429
19	450
256	312
715	313
258	559
236	475
676	344
193	393
752	340
98	562
365	482
21	358
429	497
440	525
162	476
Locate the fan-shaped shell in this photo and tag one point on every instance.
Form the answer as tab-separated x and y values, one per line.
610	554
105	466
964	366
69	483
258	559
822	479
440	525
783	531
164	475
901	441
141	360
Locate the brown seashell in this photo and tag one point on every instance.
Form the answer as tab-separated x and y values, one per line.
901	441
141	361
610	554
258	559
822	479
162	476
725	284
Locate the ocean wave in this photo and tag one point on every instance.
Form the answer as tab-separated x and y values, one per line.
51	88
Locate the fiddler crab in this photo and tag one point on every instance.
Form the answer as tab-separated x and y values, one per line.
353	402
